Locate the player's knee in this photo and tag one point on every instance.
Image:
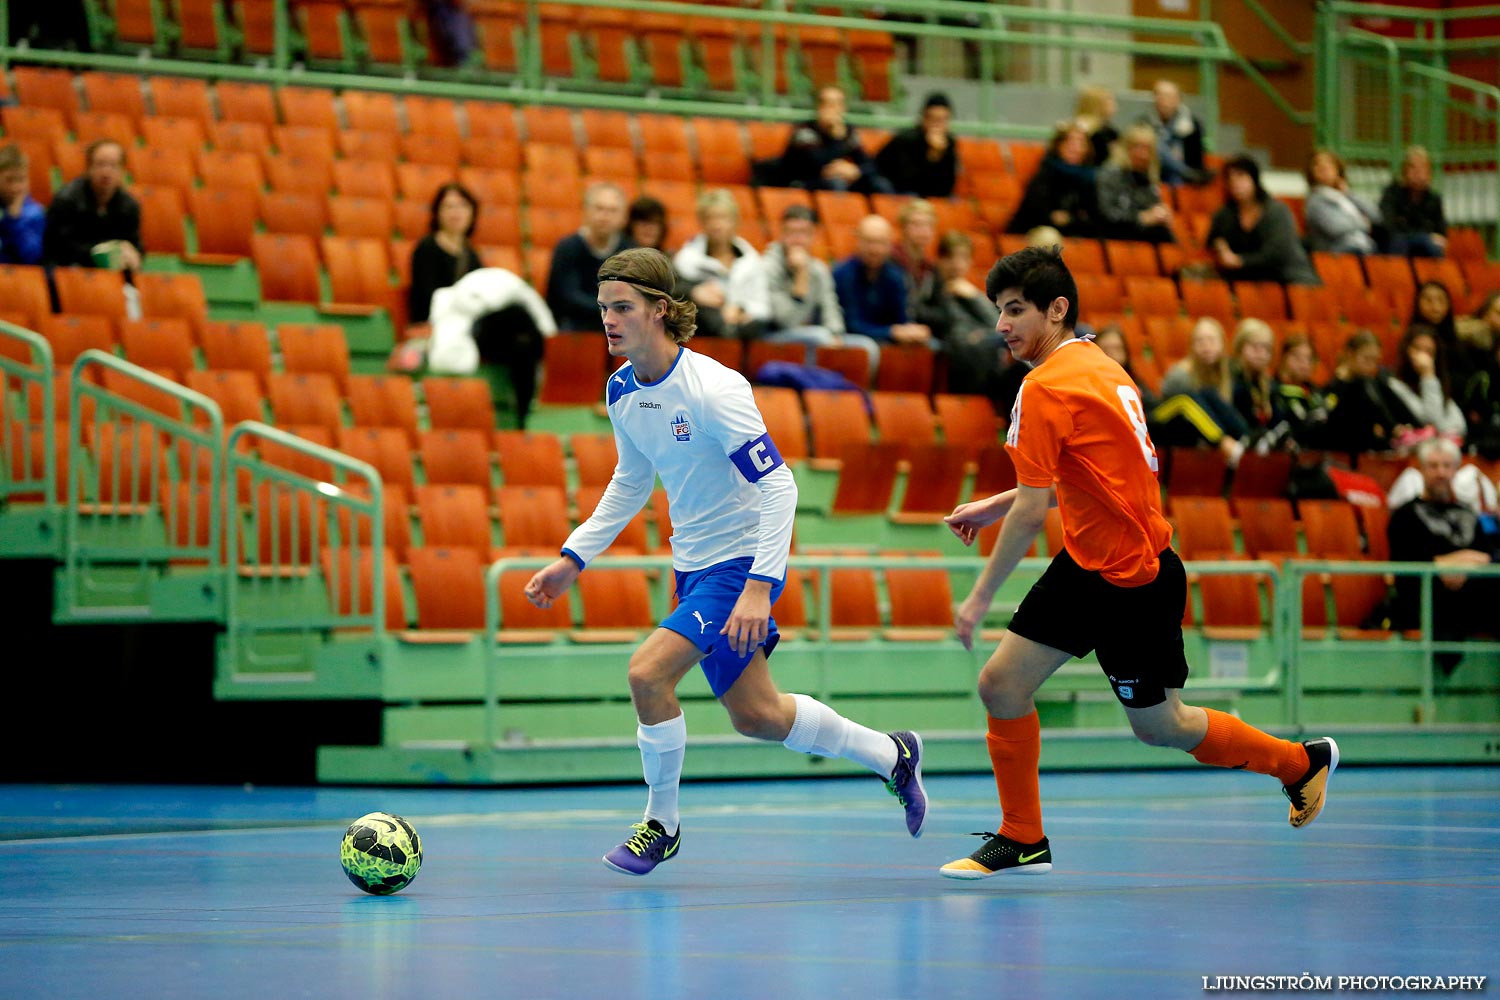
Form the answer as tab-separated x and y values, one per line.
1153	734
1002	696
757	722
645	676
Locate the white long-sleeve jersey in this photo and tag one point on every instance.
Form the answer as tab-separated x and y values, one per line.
729	491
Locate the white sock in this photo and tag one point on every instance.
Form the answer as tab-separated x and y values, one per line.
818	729
663	746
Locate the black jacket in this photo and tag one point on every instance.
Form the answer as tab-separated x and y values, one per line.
75	225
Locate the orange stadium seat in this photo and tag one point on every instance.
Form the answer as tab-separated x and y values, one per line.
456	457
293	214
454	516
240	137
616	605
315	347
310	107
1196	472
594	457
221	169
309	141
90	290
867	476
1209	298
118	93
448	583
1204	527
530	459
361	218
934	483
300	175
23	290
91	126
158	344
70	336
383	448
1267	527
350	576
573	367
242	346
781	408
225	222
246	102
181	97
459	403
854	612
236	392
359	272
288	267
533	516
967	420
382	401
663	36
904	417
310	398
835	418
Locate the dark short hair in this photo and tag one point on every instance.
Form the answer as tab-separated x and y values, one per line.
937	99
646	209
952	241
462	192
1042	277
794	212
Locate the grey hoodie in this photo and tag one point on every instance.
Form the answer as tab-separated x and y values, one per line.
819	308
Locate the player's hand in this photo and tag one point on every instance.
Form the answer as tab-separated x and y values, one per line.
968	519
967	618
750	620
551	582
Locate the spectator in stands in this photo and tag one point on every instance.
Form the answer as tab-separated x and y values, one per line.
1433	306
1044	236
1301	403
917	231
508	338
1179	137
825	153
1096	108
804	305
450	27
1436	528
1363	413
1198	397
1421	384
1253	237
1256	398
572	283
1111	340
1129	190
1061	193
721	272
1480	395
646	223
872	289
93	221
921	160
963	319
1412	211
445	254
1338	220
23	221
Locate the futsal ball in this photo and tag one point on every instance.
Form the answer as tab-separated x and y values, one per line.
381	853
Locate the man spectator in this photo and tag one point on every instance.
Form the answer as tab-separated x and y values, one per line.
22	220
804	306
1436	528
825	153
1179	136
872	289
921	160
963	319
917	222
93	221
1412	212
573	281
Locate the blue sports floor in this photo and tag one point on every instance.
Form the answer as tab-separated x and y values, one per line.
781	890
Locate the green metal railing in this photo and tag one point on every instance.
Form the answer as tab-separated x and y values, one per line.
144	467
306	549
998	27
28	450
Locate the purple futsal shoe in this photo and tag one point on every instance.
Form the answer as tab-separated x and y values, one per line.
906	780
647	847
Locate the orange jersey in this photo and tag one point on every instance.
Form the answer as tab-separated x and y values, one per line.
1078	424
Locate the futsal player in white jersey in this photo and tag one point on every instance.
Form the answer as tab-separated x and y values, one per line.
694	422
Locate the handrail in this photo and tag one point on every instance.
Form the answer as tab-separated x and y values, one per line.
1393	73
39	374
199	423
1356	9
1278	29
823	565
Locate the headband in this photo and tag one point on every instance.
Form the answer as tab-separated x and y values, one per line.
606	273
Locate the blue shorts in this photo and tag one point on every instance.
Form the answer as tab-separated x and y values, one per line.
705	599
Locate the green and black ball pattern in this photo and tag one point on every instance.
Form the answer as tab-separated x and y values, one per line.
381	853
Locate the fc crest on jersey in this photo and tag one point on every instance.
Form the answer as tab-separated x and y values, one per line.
680	428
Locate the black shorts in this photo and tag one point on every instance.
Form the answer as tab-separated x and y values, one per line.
1136	631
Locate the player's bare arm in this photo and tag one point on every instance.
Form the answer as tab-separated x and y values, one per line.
1024	520
968	519
551	582
749	622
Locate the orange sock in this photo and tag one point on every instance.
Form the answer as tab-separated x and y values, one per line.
1015	747
1233	743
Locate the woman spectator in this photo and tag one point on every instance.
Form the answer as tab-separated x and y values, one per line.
722	272
445	254
1412	212
1096	106
508	338
1129	190
1198	396
646	223
1421	383
1062	192
1253	237
1255	397
1338	220
1434	307
1111	340
1302	405
1363	413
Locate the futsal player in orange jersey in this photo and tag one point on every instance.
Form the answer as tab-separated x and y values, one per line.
1079	442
